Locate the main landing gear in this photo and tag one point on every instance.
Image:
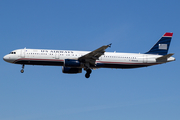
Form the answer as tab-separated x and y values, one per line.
22	70
87	69
88	72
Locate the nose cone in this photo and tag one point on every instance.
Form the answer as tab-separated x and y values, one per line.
7	58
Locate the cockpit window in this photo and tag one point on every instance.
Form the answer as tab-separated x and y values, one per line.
12	53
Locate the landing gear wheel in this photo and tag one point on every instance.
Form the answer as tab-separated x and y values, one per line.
88	72
87	75
22	71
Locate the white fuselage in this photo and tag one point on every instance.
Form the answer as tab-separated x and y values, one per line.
57	57
73	62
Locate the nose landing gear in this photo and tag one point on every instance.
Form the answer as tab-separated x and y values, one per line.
22	70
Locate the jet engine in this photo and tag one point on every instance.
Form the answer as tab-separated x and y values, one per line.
72	63
71	70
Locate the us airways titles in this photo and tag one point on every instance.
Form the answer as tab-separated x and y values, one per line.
56	51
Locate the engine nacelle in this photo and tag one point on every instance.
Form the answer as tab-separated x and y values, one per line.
71	70
72	63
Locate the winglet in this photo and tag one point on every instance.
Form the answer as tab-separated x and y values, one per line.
109	45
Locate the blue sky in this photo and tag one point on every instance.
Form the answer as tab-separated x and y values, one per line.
43	92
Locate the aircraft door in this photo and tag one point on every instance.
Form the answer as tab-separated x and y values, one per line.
57	56
23	53
100	58
144	58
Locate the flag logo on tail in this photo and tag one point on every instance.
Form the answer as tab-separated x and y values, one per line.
163	46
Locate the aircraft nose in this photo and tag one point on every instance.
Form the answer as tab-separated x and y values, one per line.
5	58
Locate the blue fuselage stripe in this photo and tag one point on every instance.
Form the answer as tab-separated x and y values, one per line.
98	65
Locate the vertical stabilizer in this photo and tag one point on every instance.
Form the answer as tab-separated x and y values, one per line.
162	46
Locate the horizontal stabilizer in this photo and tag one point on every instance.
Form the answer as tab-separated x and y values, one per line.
164	58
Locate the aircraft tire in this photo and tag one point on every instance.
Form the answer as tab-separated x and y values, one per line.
87	75
22	71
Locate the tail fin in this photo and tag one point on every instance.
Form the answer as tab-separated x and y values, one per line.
162	46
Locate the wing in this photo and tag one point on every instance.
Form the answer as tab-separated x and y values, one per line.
94	55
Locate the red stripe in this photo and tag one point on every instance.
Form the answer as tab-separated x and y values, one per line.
28	59
105	62
168	34
127	63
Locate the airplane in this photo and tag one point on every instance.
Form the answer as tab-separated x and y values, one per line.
73	62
